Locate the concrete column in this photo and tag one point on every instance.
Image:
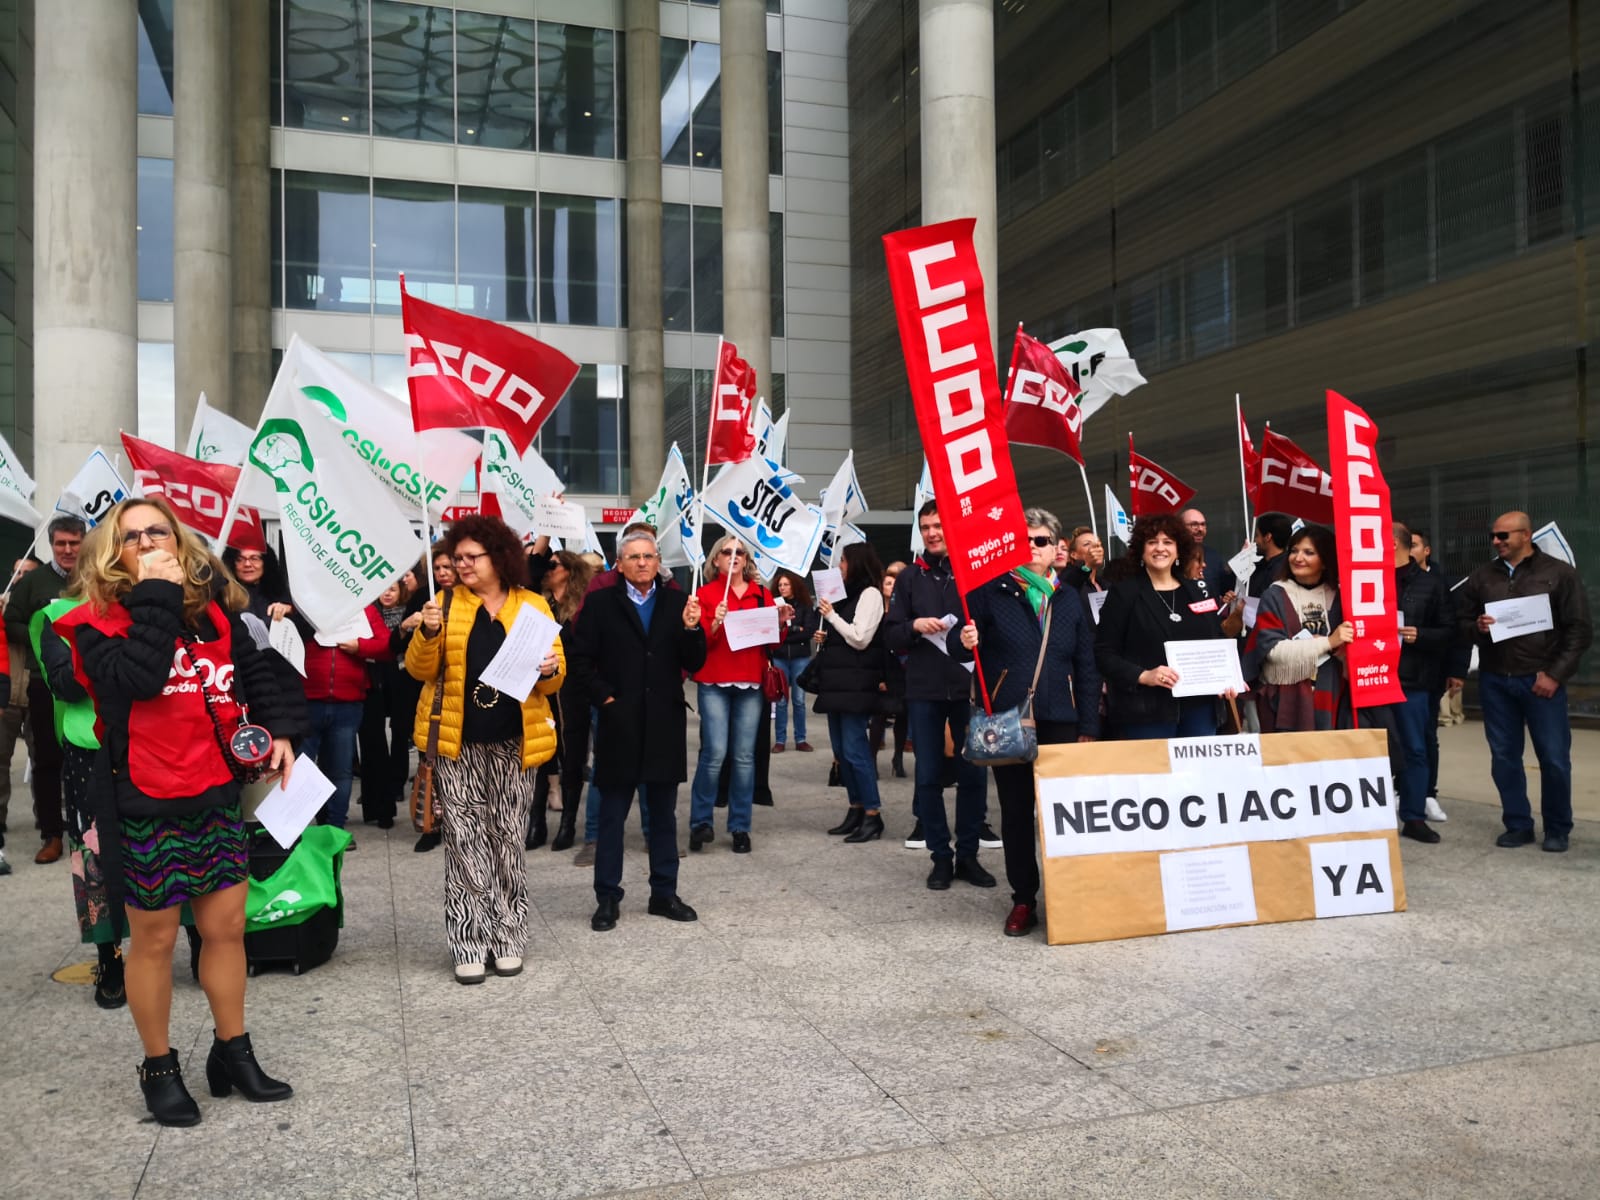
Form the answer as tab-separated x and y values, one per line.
956	56
202	170
746	194
252	210
646	388
86	260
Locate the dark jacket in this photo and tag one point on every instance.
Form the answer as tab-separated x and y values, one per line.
1131	638
1265	574
643	731
797	636
1426	604
32	592
847	680
1555	652
1009	637
927	588
1218	575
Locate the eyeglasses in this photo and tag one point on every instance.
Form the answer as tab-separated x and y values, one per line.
244	560
730	552
1195	524
466	560
640	558
1042	539
156	533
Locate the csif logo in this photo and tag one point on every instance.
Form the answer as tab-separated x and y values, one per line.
405	478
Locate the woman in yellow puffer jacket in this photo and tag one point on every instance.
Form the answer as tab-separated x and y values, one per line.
489	745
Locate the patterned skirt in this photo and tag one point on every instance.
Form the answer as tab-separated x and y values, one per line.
168	860
83	835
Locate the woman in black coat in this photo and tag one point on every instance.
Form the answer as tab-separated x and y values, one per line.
1009	616
1150	604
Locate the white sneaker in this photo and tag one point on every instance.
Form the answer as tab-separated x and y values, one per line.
916	841
469	972
988	839
1431	807
5	867
507	966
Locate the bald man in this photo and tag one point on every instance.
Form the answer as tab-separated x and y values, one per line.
1522	679
1214	564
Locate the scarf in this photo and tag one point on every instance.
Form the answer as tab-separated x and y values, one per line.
1039	587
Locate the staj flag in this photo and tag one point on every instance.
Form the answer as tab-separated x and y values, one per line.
1152	488
198	491
465	372
1041	399
730	437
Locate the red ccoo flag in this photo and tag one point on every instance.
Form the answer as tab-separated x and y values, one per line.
730	437
1252	464
1290	481
1040	408
465	372
198	491
1152	488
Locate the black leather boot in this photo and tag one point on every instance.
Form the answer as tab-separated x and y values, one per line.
538	830
870	829
567	831
852	821
109	990
164	1094
232	1064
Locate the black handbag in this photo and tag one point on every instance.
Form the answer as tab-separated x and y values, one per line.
1009	736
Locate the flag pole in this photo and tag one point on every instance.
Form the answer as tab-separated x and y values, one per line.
977	663
1083	473
705	465
427	531
1244	484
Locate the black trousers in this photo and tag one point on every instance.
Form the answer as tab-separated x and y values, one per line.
45	752
662	801
1018	823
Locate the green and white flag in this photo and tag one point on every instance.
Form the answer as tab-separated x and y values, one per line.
345	537
16	490
215	437
1098	360
671	511
518	480
377	428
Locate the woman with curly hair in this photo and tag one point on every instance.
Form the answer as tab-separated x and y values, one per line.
175	675
489	744
1149	604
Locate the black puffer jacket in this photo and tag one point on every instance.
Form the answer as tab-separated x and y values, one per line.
847	680
927	588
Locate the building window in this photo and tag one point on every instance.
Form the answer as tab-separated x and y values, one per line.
582	440
414	232
154	229
496	240
158	410
324	65
1207	310
324	244
1476	198
691	105
155	58
496	81
1261	283
413	87
677	270
1544	171
1394	232
1323	262
775	274
577	90
707	239
580	249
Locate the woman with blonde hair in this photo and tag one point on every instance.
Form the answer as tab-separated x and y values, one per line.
189	707
489	743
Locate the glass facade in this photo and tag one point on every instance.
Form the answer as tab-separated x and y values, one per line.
691	269
691	105
155	229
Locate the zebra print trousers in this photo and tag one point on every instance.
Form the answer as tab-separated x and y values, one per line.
485	797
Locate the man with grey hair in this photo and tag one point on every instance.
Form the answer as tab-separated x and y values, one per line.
631	645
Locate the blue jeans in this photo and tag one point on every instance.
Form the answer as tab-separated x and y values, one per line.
857	769
927	720
1411	759
730	720
1509	704
791	668
331	744
1197	717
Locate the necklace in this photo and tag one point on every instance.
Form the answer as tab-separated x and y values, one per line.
1172	609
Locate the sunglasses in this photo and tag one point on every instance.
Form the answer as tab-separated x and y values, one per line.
730	552
1503	535
1042	539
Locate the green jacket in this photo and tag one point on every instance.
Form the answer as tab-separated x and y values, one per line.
75	717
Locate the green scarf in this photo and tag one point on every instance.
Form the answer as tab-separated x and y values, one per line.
1039	587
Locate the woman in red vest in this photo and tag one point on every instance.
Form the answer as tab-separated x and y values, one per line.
185	702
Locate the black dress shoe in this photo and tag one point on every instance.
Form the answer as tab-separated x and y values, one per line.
232	1064
852	821
164	1094
605	916
1555	843
944	870
870	829
741	843
701	835
972	871
1512	838
833	776
898	767
1418	831
428	841
671	908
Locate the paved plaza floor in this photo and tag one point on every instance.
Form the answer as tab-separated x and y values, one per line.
831	1029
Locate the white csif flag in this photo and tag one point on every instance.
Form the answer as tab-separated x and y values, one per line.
1117	518
519	480
670	509
345	538
1098	360
215	437
16	489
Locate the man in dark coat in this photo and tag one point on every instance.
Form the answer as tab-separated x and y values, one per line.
630	647
1214	567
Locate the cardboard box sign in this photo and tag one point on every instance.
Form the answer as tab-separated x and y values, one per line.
1194	833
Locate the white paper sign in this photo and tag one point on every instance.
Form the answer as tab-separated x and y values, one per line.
1553	542
515	667
1206	667
560	518
829	584
289	808
946	624
751	627
1519	616
1186	754
1202	888
356	629
1243	565
1252	605
286	640
1097	601
1351	878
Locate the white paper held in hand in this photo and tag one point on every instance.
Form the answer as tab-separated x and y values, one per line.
353	630
1519	616
751	627
560	518
1097	601
515	667
286	640
829	584
946	624
289	807
1243	565
1205	667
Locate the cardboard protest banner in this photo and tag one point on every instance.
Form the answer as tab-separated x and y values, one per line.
1151	837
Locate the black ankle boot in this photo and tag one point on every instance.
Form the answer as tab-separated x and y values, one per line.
164	1094
109	991
870	829
899	766
232	1064
567	831
851	823
538	831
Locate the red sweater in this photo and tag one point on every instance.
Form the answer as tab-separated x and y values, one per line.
335	674
722	664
